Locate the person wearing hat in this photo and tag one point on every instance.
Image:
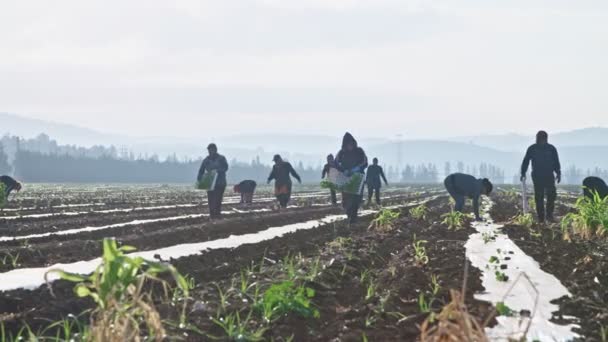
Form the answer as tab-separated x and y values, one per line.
215	162
351	159
374	173
330	163
281	173
10	185
546	170
460	186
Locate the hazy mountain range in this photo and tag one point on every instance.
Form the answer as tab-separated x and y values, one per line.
586	148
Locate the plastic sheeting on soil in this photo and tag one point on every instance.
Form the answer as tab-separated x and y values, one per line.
518	293
31	278
125	224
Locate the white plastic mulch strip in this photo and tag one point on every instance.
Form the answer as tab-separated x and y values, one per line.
125	224
527	289
31	278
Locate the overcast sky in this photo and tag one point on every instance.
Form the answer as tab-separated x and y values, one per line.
376	67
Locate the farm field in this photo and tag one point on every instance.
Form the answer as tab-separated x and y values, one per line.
377	280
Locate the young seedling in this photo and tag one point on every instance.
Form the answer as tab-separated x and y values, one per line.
420	255
591	218
239	330
524	220
488	237
454	220
385	221
419	212
503	310
500	276
286	297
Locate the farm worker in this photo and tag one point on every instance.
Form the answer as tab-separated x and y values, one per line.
246	188
350	160
331	162
593	185
460	186
10	184
374	173
546	170
215	162
281	173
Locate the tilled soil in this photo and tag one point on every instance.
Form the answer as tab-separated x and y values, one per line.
390	314
582	266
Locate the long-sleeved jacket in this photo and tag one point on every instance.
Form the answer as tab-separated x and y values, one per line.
281	173
326	168
354	160
545	161
246	187
467	186
218	163
10	184
374	173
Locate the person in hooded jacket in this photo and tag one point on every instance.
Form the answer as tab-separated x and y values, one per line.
215	162
592	185
546	170
350	160
10	185
374	173
281	173
331	162
462	186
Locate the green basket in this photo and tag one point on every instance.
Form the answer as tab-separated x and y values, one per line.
208	181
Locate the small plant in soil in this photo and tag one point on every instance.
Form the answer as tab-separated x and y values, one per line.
286	297
419	212
454	220
385	221
116	286
503	309
494	260
10	259
524	220
500	276
591	218
240	330
420	255
488	237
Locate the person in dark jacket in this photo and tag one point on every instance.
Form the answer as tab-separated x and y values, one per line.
351	159
246	188
331	162
546	170
10	185
374	173
215	162
281	173
460	186
592	185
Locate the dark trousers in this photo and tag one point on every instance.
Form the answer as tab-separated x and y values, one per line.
351	203
458	197
214	200
283	200
370	193
246	197
544	186
334	197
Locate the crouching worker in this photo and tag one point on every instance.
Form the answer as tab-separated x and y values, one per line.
331	162
246	188
215	162
350	160
460	186
281	173
10	185
592	185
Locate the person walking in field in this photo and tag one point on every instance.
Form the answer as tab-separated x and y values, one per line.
350	160
374	173
281	173
246	188
215	162
331	163
10	185
592	185
461	186
546	170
